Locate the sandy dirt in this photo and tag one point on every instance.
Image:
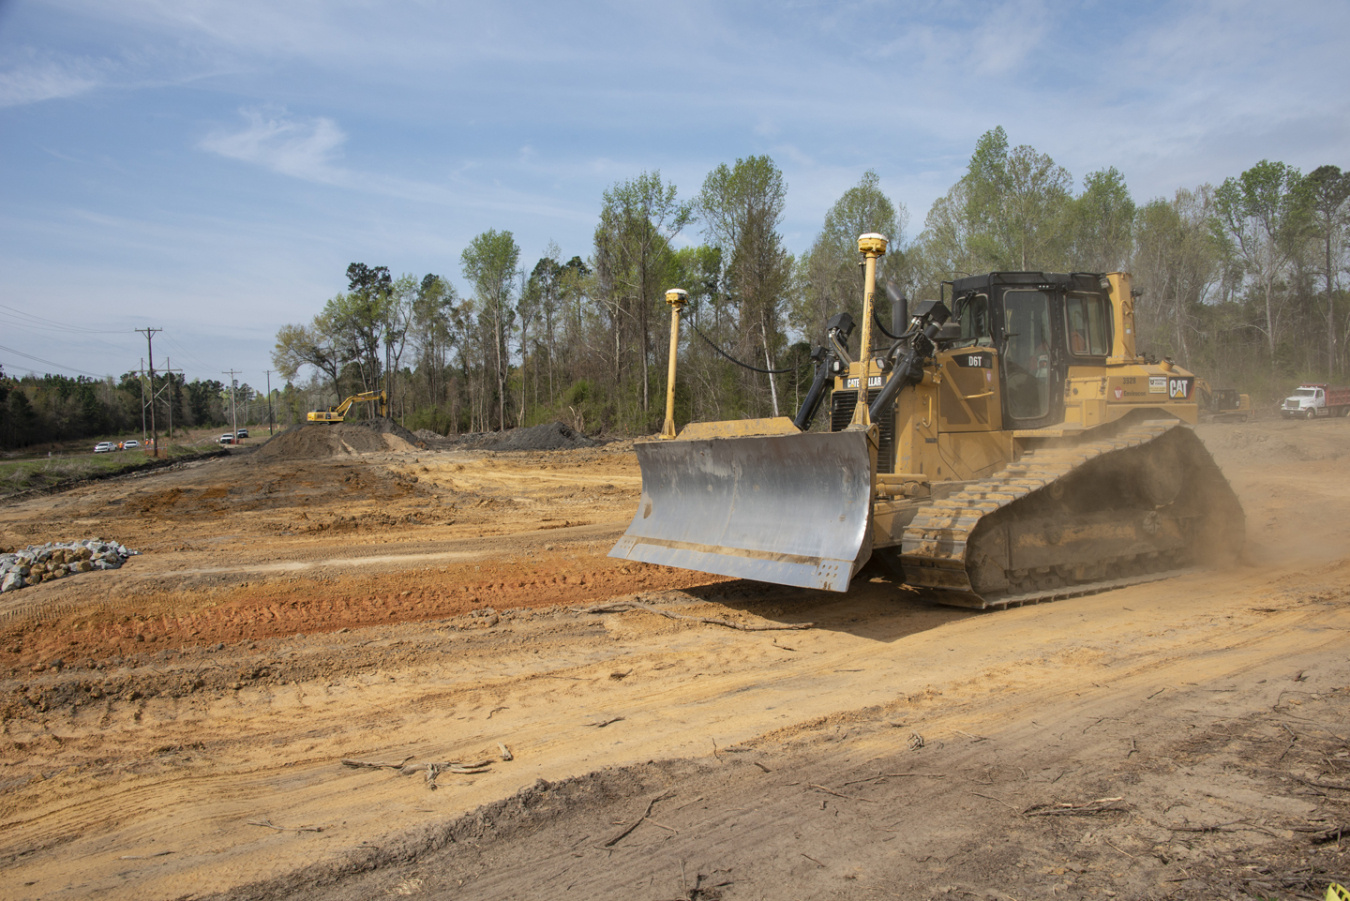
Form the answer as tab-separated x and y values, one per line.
177	728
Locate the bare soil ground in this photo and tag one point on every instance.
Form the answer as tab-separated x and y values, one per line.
176	728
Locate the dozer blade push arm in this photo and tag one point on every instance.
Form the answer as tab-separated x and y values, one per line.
909	371
828	361
816	393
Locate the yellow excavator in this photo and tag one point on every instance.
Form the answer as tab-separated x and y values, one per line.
1008	446
339	413
1222	404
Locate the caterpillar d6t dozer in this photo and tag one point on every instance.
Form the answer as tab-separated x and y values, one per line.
1005	448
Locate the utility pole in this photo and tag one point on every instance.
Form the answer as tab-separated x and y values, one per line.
269	401
234	420
142	396
150	345
168	387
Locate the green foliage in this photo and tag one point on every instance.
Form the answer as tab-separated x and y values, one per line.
489	263
579	392
1261	218
361	319
1176	261
1012	210
829	277
741	208
318	345
634	265
1242	283
18	422
1100	223
1327	190
206	401
435	419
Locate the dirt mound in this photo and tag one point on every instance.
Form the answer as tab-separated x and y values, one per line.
549	436
316	441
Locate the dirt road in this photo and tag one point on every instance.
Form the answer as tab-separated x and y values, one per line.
177	728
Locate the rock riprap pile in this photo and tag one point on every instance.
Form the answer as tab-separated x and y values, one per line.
59	559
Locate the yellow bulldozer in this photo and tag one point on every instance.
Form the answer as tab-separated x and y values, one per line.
1008	446
339	413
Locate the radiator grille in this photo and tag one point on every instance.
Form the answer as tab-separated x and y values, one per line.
841	414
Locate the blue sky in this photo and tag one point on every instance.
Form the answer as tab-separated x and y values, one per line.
211	168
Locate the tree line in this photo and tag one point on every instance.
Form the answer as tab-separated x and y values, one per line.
1241	282
54	408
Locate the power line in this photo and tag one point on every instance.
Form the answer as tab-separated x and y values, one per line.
19	353
185	353
54	325
42	336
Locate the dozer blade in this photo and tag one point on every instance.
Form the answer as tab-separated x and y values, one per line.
793	509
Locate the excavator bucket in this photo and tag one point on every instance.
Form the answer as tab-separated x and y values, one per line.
794	508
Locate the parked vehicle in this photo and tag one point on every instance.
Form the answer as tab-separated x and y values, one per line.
227	438
103	447
242	433
130	445
1314	399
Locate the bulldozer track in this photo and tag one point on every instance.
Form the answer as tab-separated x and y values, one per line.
935	545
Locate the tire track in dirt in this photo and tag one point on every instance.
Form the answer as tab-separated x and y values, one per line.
720	692
176	756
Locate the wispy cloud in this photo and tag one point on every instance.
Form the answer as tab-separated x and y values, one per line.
311	149
35	80
301	148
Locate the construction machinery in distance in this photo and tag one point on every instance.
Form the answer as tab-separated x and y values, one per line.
1222	404
339	413
1012	447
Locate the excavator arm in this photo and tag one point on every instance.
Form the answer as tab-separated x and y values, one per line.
339	413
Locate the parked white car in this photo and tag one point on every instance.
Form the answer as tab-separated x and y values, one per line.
104	447
130	445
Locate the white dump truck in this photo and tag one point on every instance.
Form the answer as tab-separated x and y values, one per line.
1314	399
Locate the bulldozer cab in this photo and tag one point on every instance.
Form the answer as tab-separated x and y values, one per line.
1030	328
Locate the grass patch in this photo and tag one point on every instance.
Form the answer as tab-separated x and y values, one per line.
58	469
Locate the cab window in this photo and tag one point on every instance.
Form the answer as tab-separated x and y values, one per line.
1026	358
1088	324
973	316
